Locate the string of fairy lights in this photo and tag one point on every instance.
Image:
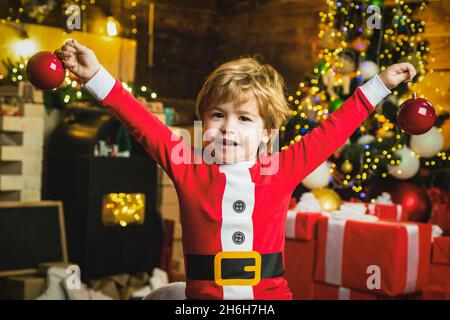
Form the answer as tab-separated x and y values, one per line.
401	39
72	91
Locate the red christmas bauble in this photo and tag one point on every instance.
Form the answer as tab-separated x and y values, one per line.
413	199
45	70
416	116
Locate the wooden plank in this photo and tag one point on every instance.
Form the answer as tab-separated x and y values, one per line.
9	195
10	167
26	167
177	231
178	256
18	124
19	153
34	139
11	182
31	183
30	196
20	195
170	212
24	90
31	167
169	196
163	178
27	183
29	109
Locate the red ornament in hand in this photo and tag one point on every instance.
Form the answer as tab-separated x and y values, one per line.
416	116
45	70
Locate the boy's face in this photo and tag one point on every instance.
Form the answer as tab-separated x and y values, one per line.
237	131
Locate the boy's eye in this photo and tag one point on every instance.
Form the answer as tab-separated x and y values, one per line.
217	114
243	118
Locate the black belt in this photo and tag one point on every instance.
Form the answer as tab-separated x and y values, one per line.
228	268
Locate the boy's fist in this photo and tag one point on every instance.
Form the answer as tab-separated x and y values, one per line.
397	73
80	60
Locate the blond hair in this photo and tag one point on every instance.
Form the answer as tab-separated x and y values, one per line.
239	81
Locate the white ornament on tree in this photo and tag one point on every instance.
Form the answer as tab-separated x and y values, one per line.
408	166
428	144
319	178
366	139
368	69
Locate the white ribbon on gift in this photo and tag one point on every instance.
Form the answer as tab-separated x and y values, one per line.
335	243
384	198
354	207
290	224
344	293
307	204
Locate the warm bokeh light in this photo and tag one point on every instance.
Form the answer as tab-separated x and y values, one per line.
24	48
111	26
123	209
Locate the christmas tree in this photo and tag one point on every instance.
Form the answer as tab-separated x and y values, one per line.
358	39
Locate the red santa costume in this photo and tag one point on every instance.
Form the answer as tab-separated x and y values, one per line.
233	215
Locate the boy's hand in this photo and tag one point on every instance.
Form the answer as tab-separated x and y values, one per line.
80	60
397	73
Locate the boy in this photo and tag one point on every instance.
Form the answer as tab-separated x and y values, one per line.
233	211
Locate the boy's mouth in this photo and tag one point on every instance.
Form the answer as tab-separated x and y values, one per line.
229	142
226	142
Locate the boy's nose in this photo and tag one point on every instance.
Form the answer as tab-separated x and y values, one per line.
229	125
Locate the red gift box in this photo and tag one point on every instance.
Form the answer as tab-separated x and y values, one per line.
302	225
439	274
387	211
440	215
329	292
299	260
352	253
438	195
384	211
436	292
441	250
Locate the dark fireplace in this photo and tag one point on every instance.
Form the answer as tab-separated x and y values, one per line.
109	202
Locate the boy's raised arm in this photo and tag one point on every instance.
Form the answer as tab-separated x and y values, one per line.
301	158
148	130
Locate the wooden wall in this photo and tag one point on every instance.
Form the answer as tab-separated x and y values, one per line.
184	47
281	32
192	38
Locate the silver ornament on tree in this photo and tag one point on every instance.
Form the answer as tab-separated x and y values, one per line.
409	164
368	69
427	144
319	178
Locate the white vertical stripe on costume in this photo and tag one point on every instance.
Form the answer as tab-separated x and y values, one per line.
237	210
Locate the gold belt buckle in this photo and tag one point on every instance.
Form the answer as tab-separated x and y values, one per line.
237	255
